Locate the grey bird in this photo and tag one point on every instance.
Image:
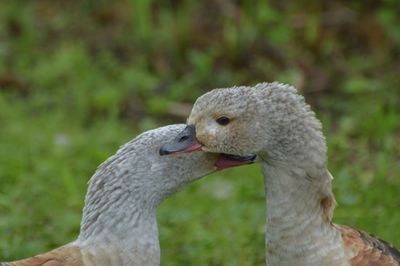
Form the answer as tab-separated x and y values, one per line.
119	225
273	121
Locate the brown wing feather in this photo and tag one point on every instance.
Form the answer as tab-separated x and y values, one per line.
68	255
367	249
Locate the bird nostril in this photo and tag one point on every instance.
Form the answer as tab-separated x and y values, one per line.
183	138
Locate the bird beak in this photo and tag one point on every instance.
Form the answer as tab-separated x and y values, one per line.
228	160
185	142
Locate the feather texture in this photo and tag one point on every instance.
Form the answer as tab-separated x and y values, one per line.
367	249
68	255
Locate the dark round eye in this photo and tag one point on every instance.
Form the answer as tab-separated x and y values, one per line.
223	120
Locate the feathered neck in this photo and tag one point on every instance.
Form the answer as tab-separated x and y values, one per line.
299	210
119	219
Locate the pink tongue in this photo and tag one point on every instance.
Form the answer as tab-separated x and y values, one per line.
195	147
223	163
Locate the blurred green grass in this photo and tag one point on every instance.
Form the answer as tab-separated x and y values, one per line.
80	78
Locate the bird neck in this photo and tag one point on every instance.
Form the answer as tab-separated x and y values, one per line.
132	243
300	207
119	223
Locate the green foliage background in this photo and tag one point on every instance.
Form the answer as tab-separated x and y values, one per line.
80	78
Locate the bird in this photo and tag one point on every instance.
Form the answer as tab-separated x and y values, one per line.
119	225
273	121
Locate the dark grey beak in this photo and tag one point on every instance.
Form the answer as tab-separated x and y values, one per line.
228	160
185	142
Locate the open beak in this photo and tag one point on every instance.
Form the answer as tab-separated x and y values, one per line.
185	142
228	160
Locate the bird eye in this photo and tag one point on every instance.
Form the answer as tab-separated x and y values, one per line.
223	120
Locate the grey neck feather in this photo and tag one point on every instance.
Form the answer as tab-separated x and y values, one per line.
119	214
299	230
